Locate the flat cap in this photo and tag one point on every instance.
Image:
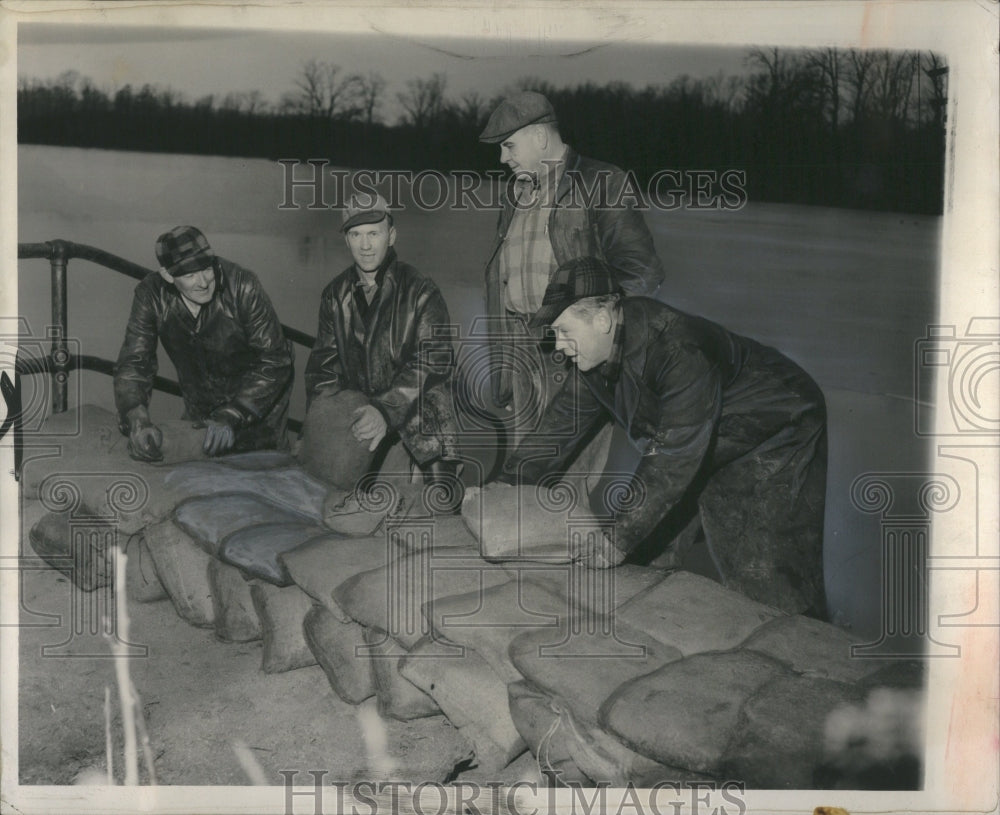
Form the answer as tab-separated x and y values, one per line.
517	111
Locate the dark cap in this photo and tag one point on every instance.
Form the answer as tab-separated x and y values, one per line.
364	208
183	250
517	111
573	281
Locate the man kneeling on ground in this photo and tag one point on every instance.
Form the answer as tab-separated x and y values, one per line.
382	332
221	332
713	427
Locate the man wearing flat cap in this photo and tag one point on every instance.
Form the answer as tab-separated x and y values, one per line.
382	332
220	330
559	206
719	429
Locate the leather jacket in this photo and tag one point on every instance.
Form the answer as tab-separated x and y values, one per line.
233	360
692	396
616	233
404	351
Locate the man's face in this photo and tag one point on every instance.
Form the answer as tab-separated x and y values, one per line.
369	243
585	340
522	151
198	287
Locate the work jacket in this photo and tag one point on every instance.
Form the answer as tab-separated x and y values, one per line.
587	220
694	398
403	351
232	360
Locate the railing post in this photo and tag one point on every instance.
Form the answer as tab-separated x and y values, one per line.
60	352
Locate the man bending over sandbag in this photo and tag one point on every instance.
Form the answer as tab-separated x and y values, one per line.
717	428
377	336
220	330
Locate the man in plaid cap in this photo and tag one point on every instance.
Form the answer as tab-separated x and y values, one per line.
559	206
716	429
380	333
220	330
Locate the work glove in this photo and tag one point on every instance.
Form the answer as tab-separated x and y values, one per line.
144	437
219	437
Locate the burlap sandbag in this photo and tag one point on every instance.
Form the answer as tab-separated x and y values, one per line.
391	597
339	649
473	698
257	549
528	522
142	583
84	556
281	612
364	513
398	698
210	519
538	724
235	616
685	713
329	450
695	614
182	567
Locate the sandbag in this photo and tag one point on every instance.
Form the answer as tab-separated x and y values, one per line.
537	723
362	513
339	649
142	583
473	698
527	522
256	549
599	590
210	519
685	713
390	598
232	603
398	698
182	567
329	450
281	612
84	554
695	614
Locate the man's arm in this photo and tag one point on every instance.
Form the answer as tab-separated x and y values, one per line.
567	420
137	364
431	359
271	372
690	398
626	242
324	370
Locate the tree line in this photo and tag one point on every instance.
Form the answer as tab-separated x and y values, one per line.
855	128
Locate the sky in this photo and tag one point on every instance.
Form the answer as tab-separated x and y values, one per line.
197	62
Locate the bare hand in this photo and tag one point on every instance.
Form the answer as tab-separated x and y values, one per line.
369	424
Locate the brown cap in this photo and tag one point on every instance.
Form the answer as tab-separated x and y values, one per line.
517	111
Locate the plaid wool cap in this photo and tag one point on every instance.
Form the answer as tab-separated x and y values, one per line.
517	111
364	208
183	250
574	280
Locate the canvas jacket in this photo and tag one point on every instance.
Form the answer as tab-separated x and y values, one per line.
618	234
232	360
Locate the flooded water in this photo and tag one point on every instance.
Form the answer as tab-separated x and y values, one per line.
847	294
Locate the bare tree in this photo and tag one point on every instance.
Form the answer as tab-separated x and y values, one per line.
858	78
322	93
368	94
423	100
471	109
829	67
892	84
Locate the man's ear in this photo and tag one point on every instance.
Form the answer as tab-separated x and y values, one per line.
603	321
166	275
392	236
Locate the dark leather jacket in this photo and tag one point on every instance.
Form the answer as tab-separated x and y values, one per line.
690	393
403	352
233	358
616	233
